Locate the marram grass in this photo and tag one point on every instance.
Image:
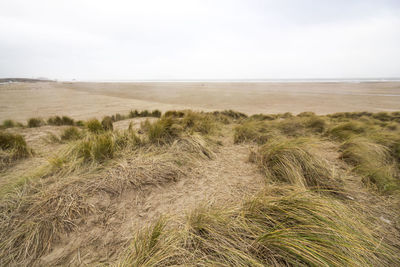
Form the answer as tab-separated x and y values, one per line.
299	229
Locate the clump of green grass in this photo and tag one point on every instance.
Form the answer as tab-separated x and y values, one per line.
162	131
306	114
95	148
350	115
156	113
71	133
13	147
9	124
300	229
382	116
263	117
174	113
198	122
58	121
253	131
373	162
293	161
80	123
392	126
349	129
317	124
107	123
145	113
35	122
134	113
94	126
233	114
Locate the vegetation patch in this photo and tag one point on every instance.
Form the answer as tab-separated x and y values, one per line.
13	147
35	122
300	229
94	126
71	133
253	131
292	161
58	121
373	162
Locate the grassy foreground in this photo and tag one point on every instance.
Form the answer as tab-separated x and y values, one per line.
330	196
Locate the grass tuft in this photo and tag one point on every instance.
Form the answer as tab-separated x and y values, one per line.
94	126
293	161
347	130
9	124
13	147
71	133
253	131
58	121
35	122
373	162
107	123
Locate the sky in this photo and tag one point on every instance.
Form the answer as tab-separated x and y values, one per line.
204	39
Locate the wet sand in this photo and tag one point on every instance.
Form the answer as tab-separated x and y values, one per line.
20	101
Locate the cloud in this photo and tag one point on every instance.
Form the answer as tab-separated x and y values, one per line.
199	39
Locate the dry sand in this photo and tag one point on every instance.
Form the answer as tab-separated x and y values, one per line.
20	101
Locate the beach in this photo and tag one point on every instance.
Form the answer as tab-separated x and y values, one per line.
83	100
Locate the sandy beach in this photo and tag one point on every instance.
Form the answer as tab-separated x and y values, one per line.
20	101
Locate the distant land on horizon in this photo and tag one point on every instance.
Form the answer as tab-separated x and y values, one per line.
314	80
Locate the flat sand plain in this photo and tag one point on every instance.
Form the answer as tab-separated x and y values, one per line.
20	101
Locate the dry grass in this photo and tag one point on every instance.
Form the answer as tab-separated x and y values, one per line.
299	229
293	161
372	161
69	134
253	131
349	129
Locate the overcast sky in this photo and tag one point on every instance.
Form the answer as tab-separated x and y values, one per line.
216	39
